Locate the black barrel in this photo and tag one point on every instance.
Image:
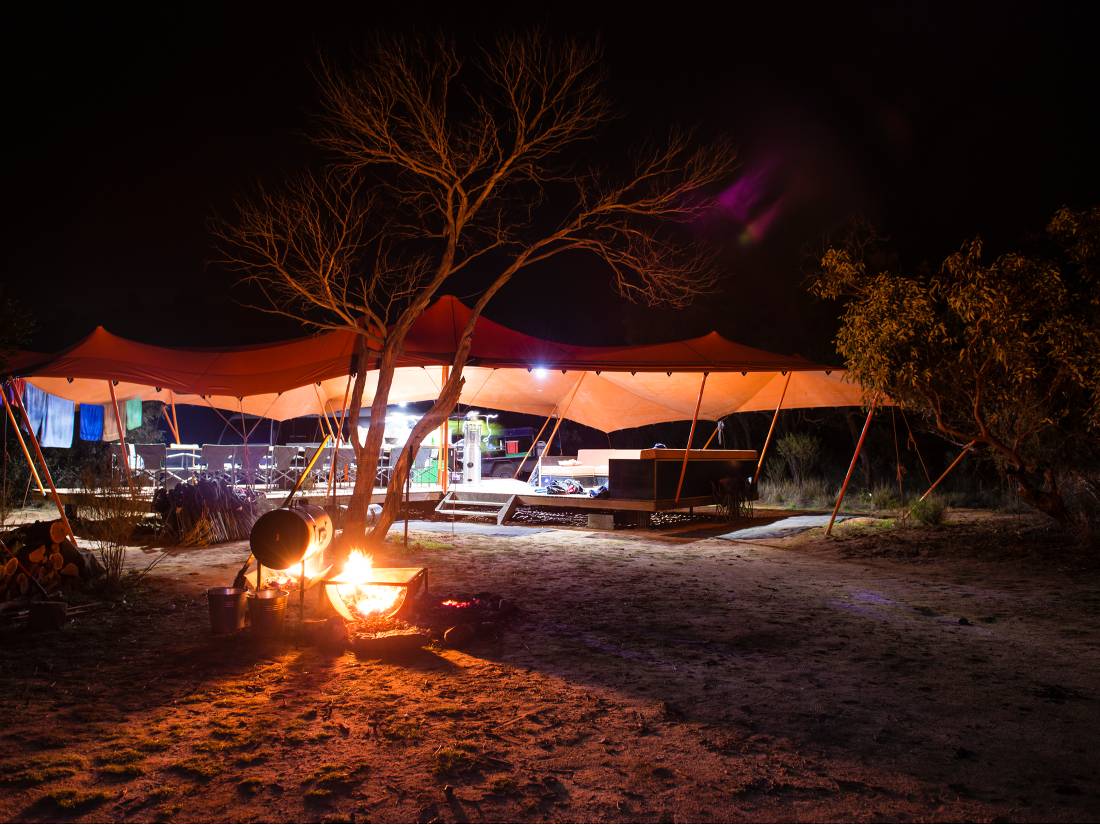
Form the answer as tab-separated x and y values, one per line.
281	538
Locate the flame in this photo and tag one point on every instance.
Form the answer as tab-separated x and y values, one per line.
354	590
454	603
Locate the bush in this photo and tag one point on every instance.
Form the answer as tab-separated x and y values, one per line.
802	452
929	512
884	497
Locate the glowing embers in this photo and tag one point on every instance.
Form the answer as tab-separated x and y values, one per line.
354	595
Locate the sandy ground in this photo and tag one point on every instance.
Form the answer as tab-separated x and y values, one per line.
933	674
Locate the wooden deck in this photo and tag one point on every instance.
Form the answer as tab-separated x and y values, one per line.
433	493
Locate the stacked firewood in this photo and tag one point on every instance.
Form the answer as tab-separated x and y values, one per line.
208	510
38	559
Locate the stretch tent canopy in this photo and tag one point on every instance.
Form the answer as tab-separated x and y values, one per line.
609	388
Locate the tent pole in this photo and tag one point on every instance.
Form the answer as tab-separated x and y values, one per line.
46	471
851	467
717	429
23	444
691	435
121	436
771	429
519	469
557	423
171	426
943	475
175	416
247	463
444	437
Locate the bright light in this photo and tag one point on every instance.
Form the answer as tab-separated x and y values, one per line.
540	372
402	404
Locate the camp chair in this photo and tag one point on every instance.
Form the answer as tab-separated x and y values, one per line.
118	466
219	458
345	462
252	462
182	461
150	462
284	470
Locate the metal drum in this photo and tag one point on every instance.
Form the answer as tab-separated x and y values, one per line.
227	609
281	538
267	612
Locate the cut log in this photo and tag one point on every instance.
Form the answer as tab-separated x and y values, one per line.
69	569
10	566
57	532
57	561
37	555
392	644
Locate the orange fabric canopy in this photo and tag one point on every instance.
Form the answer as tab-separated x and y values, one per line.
619	387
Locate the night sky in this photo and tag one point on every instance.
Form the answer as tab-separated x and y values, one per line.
127	134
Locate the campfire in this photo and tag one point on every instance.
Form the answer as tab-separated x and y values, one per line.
379	611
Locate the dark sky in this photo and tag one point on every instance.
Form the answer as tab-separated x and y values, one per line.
125	134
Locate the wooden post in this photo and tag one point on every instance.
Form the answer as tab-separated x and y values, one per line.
121	436
771	429
851	467
46	471
691	434
444	438
23	444
534	443
943	475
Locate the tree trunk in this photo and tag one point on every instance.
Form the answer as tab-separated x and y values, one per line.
367	456
1048	501
440	410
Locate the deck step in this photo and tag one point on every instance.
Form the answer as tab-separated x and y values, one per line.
495	506
479	513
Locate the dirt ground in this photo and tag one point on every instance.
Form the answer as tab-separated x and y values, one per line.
941	674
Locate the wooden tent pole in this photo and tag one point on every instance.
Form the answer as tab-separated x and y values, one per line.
46	471
691	435
121	436
771	429
943	475
535	442
444	437
851	467
23	444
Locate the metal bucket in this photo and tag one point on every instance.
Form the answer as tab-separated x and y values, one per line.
227	609
267	612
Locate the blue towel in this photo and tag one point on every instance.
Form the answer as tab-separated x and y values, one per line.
58	431
91	422
35	403
133	413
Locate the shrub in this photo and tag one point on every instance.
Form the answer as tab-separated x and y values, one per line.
929	512
802	452
884	497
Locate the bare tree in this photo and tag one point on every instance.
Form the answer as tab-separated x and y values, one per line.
440	166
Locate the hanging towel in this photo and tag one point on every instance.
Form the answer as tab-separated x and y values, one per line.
58	430
133	413
91	422
35	403
110	424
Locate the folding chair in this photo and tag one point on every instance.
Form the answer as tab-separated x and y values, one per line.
284	469
219	458
150	463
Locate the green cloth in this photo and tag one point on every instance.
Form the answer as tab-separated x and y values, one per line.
133	413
